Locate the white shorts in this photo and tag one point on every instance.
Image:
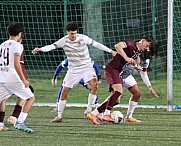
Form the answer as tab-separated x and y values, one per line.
129	82
73	77
17	88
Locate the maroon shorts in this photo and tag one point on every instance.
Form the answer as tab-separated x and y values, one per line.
112	77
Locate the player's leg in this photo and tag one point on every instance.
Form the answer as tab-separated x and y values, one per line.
87	86
4	95
92	95
70	80
133	102
89	76
2	115
20	123
23	115
97	101
17	110
19	90
61	104
111	102
101	108
131	84
99	112
115	83
97	98
55	109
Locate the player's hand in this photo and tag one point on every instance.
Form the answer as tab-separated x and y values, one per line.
138	67
99	82
113	53
26	83
99	79
153	92
36	50
130	60
54	82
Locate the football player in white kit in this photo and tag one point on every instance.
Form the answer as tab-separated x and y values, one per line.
20	102
75	47
12	79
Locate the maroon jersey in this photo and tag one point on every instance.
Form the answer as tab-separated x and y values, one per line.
118	61
22	58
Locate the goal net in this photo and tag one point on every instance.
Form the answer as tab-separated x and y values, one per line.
106	21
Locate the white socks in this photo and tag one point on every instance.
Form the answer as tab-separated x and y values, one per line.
131	108
61	107
107	112
22	117
91	101
1	124
95	112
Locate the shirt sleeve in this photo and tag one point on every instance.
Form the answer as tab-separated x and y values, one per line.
96	68
95	44
88	40
60	43
144	74
101	46
60	67
64	63
18	49
145	78
55	45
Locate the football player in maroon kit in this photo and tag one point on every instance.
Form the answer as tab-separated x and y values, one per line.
130	83
128	53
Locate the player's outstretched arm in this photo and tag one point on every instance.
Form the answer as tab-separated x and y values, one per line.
45	48
146	80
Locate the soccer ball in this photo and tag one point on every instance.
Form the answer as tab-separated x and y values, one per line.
117	116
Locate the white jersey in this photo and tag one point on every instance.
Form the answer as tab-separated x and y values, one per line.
7	51
76	51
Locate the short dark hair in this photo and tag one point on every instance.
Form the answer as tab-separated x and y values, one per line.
72	26
154	48
151	52
148	37
14	28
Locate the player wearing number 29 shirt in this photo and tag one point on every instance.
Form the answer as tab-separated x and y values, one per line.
12	79
19	103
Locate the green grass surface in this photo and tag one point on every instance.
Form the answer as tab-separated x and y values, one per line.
45	92
159	128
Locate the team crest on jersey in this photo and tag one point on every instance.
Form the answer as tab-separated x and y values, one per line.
78	43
